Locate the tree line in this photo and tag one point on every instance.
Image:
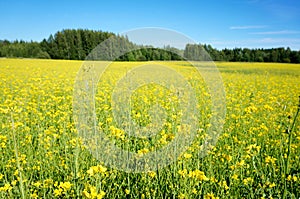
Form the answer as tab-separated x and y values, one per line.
79	44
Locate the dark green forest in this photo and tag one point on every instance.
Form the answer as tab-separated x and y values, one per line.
79	44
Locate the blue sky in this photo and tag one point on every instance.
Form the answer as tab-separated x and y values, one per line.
236	23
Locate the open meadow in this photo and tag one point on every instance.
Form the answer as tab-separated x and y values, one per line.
257	154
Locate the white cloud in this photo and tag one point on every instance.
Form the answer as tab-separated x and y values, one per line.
293	43
245	27
281	32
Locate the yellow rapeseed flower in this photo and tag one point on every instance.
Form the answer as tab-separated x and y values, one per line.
270	159
127	191
199	175
183	172
248	181
235	177
152	174
187	155
210	196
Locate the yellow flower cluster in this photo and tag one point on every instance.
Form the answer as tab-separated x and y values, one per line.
270	160
91	193
96	169
199	175
61	188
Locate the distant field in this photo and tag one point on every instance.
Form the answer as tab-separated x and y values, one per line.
42	155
